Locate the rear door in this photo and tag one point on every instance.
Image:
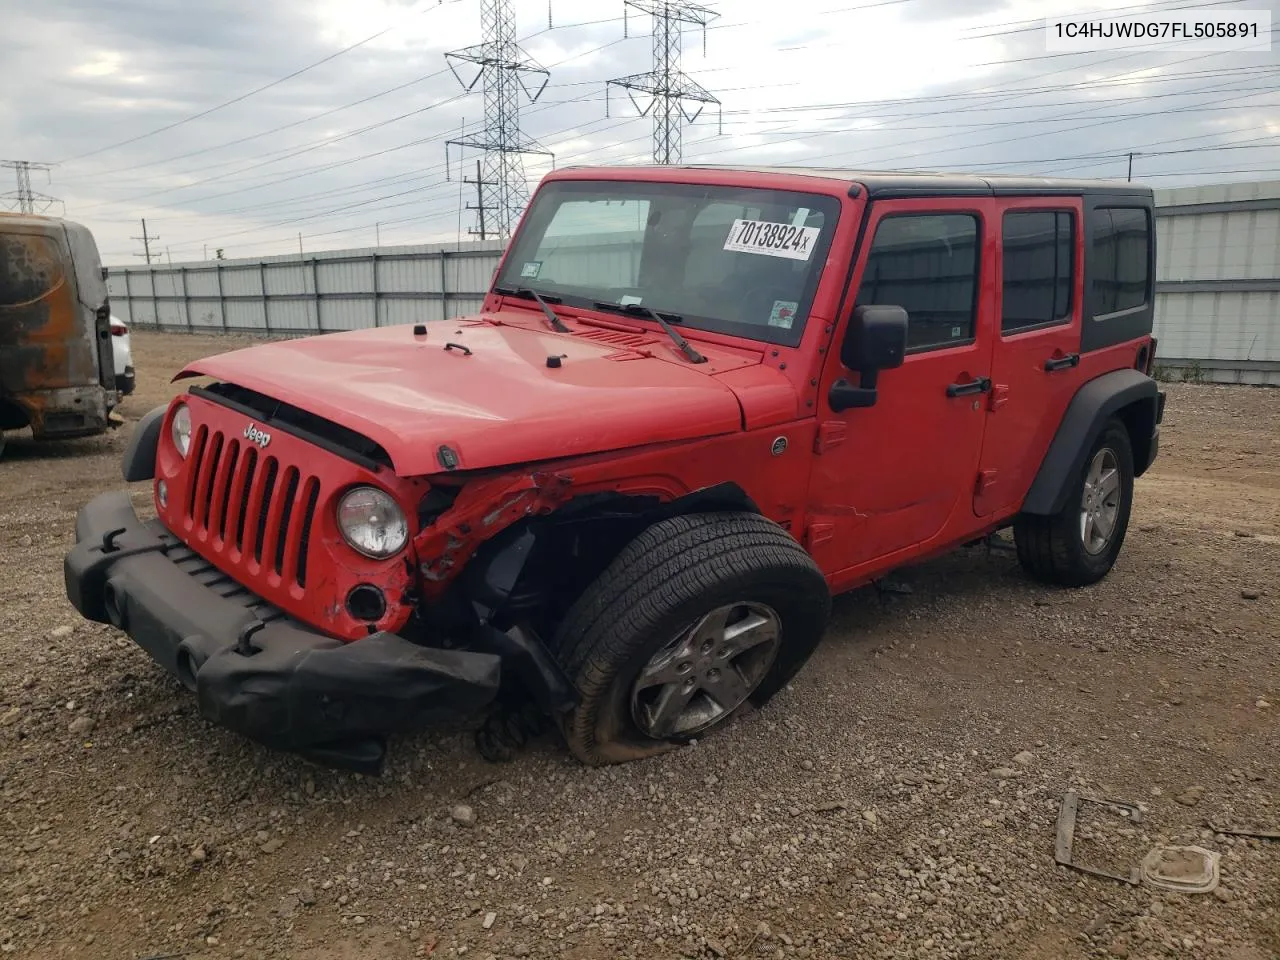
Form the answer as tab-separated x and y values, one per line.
890	478
1035	366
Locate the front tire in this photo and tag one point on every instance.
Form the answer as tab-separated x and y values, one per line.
697	617
1079	545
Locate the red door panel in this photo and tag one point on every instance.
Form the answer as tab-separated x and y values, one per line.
891	478
1035	366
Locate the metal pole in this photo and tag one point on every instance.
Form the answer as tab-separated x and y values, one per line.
222	303
262	289
1130	176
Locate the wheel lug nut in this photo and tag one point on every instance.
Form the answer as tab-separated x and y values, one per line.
713	676
685	667
707	646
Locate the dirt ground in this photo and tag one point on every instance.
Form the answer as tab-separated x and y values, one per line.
899	800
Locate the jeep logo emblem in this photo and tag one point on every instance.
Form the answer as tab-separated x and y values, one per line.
254	435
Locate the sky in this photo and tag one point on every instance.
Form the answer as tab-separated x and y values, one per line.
240	124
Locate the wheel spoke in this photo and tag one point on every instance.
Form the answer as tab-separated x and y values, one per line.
1087	529
668	669
710	628
1109	484
1106	522
1095	472
663	673
665	714
729	689
751	631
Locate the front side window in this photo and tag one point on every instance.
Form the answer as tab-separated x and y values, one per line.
928	265
734	260
1121	263
1038	268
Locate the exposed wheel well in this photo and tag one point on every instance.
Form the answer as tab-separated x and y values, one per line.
534	570
1140	423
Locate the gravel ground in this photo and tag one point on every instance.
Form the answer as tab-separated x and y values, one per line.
898	801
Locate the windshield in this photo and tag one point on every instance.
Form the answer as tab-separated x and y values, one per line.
733	260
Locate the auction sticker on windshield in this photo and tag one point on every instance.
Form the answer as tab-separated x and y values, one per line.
772	239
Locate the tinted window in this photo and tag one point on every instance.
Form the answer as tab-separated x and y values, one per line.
928	265
1037	268
1121	258
742	261
30	268
613	230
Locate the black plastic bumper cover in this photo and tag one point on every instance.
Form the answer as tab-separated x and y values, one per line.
278	683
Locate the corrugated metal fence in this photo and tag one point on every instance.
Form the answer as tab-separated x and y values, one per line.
334	290
1218	276
1217	302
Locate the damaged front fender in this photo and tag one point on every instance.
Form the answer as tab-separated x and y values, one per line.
482	510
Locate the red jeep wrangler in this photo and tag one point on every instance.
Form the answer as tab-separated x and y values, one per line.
695	404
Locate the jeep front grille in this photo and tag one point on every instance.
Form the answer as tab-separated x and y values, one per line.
249	508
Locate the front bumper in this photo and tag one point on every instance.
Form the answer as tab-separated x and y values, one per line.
254	670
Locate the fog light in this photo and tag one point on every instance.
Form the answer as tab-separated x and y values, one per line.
162	494
366	602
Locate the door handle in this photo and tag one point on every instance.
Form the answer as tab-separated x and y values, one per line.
981	385
1062	363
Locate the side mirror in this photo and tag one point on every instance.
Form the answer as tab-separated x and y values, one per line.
875	340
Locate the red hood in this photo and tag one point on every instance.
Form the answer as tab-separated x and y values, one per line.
500	404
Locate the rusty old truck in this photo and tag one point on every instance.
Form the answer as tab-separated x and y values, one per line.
57	375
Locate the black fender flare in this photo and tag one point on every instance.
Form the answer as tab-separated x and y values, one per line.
1129	394
139	461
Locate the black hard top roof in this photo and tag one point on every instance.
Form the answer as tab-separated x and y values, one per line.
887	184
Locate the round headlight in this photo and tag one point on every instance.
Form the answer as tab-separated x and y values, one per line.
180	429
372	523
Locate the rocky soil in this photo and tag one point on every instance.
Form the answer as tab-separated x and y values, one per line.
898	801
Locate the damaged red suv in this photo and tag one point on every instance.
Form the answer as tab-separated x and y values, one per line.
695	404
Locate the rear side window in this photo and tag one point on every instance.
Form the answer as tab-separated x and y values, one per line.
928	265
30	268
1038	268
1121	259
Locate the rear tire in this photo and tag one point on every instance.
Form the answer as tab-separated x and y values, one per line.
696	618
1079	545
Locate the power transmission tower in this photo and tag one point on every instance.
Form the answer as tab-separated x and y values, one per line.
674	97
504	71
479	206
146	242
24	199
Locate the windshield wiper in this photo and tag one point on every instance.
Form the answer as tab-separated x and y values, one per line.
528	293
637	309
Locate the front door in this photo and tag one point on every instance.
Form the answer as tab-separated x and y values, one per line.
890	479
1037	349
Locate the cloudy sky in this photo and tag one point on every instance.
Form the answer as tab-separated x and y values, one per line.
157	109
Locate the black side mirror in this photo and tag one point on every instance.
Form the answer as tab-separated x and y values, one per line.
875	340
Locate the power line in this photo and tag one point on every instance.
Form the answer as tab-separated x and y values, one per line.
25	199
146	239
502	70
674	96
